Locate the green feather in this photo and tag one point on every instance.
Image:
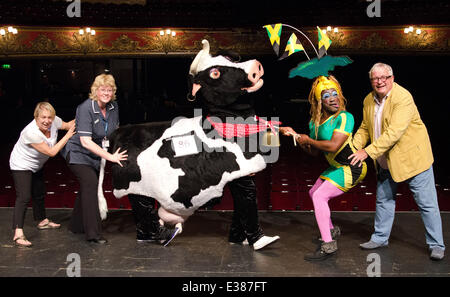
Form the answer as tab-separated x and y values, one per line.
316	67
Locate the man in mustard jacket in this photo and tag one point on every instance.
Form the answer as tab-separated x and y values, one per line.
401	150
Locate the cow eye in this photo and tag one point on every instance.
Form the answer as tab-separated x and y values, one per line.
214	73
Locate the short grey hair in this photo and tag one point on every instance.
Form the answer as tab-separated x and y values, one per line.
381	65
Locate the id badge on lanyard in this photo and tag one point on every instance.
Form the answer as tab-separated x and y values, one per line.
105	143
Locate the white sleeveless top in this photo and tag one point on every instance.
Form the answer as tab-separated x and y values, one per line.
24	156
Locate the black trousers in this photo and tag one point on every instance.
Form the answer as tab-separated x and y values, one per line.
86	215
245	223
145	216
29	186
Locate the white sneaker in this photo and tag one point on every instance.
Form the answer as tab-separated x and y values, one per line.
264	241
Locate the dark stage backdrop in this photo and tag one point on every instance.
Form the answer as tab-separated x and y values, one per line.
154	89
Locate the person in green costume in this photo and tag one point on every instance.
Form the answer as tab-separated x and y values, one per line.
331	128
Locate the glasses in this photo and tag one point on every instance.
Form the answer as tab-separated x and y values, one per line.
381	78
105	90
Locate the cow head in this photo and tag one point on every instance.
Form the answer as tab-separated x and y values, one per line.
220	80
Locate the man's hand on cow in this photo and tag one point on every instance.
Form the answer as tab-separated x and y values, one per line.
119	156
359	156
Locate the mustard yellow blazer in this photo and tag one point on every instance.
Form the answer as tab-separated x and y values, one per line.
404	138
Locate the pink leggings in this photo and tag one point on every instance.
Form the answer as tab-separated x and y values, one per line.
321	193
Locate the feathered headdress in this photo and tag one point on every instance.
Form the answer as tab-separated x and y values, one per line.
312	68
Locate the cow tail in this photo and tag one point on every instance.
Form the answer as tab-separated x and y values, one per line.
102	205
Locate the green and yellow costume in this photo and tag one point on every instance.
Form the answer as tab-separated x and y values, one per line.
340	173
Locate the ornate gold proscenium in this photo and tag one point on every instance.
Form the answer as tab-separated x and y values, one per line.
416	37
8	38
85	40
67	41
166	40
336	35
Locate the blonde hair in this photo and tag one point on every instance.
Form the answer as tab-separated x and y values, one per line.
44	105
316	105
103	80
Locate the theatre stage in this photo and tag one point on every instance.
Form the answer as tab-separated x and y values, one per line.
202	250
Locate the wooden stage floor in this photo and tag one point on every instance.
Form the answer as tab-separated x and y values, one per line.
202	249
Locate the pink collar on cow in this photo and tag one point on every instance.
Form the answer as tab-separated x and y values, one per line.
228	130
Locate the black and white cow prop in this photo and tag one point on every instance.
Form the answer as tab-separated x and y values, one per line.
182	181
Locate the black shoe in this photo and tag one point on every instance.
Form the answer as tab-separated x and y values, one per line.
237	240
163	236
325	250
143	239
168	235
100	240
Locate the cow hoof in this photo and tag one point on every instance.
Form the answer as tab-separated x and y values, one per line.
180	227
171	236
264	241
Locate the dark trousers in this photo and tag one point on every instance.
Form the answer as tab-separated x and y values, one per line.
29	186
86	215
245	224
145	216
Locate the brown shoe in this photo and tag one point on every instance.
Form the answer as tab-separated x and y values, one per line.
335	233
325	250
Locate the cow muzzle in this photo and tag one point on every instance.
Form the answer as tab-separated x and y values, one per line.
255	71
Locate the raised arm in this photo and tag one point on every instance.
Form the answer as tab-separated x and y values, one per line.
67	125
332	146
288	131
52	151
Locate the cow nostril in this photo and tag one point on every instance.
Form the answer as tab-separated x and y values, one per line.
254	75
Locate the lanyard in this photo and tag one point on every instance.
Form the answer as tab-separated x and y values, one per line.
105	125
105	141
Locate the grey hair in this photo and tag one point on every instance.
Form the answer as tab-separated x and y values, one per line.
381	65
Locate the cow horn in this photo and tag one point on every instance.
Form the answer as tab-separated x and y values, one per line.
199	57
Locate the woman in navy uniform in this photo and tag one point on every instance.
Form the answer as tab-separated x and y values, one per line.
96	118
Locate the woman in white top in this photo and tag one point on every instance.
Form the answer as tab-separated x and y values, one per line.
37	142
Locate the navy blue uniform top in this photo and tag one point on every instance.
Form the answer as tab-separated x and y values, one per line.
91	122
